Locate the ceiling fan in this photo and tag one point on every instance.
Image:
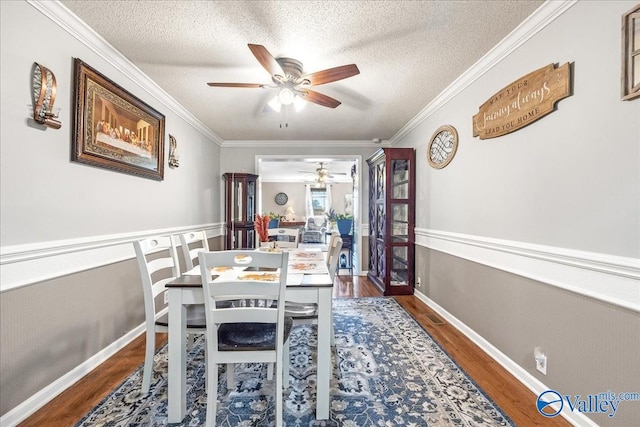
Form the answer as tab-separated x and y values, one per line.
322	173
287	75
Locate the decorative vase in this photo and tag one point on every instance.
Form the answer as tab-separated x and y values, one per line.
274	223
344	226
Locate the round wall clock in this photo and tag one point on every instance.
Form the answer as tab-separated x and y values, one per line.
281	198
442	147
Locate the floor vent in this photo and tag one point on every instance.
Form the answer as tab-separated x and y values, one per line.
435	319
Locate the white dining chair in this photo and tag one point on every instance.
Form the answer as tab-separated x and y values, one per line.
158	264
333	255
285	237
307	313
192	243
245	333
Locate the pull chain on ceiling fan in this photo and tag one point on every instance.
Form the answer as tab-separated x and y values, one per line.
287	76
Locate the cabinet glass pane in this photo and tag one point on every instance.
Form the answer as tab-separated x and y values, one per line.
251	239
400	179
399	271
400	222
401	191
379	181
236	201
251	193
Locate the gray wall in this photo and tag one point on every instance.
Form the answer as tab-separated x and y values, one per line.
70	286
592	346
566	187
296	193
557	203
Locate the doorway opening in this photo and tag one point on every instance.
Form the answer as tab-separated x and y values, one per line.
290	174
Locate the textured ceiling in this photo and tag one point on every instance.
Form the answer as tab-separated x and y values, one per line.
407	52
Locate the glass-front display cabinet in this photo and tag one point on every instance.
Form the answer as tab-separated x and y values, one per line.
392	179
240	210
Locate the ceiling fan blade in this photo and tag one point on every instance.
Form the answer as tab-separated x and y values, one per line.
332	74
266	59
318	98
249	85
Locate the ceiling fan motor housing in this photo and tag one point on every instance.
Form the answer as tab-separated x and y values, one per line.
292	69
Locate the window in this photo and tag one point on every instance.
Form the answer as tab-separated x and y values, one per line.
318	200
631	54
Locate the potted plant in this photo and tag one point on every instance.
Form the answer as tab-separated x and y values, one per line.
344	222
274	219
332	217
260	225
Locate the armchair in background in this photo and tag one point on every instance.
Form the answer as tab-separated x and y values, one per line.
314	229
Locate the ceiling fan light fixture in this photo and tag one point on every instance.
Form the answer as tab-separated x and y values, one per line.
299	103
275	104
286	96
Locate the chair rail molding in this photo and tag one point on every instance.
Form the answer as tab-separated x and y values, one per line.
31	263
609	278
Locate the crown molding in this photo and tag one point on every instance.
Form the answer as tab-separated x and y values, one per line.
535	23
77	28
299	144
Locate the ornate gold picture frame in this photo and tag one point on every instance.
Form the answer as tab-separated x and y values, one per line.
631	54
113	129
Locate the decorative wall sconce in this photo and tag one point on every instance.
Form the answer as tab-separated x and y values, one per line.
174	159
44	95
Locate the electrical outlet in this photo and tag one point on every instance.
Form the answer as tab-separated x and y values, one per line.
166	297
541	360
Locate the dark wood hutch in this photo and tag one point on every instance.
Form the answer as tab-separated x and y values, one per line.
240	210
392	179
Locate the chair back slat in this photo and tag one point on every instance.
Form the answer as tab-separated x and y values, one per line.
285	237
193	243
239	315
154	255
249	290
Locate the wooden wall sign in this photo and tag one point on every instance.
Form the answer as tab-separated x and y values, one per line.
524	101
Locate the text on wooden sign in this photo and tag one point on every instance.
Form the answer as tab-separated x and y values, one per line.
524	101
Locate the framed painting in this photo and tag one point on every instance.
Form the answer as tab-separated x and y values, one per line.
113	129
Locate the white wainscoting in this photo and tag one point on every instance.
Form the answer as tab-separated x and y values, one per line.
44	396
613	279
23	265
33	263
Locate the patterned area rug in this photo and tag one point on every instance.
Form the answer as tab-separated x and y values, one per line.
387	371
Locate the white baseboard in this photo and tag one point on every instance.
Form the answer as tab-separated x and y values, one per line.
521	374
44	396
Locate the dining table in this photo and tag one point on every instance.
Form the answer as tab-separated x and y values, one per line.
308	281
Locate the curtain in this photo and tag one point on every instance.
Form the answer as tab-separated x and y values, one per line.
308	203
328	201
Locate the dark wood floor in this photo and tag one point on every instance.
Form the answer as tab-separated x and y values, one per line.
515	399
